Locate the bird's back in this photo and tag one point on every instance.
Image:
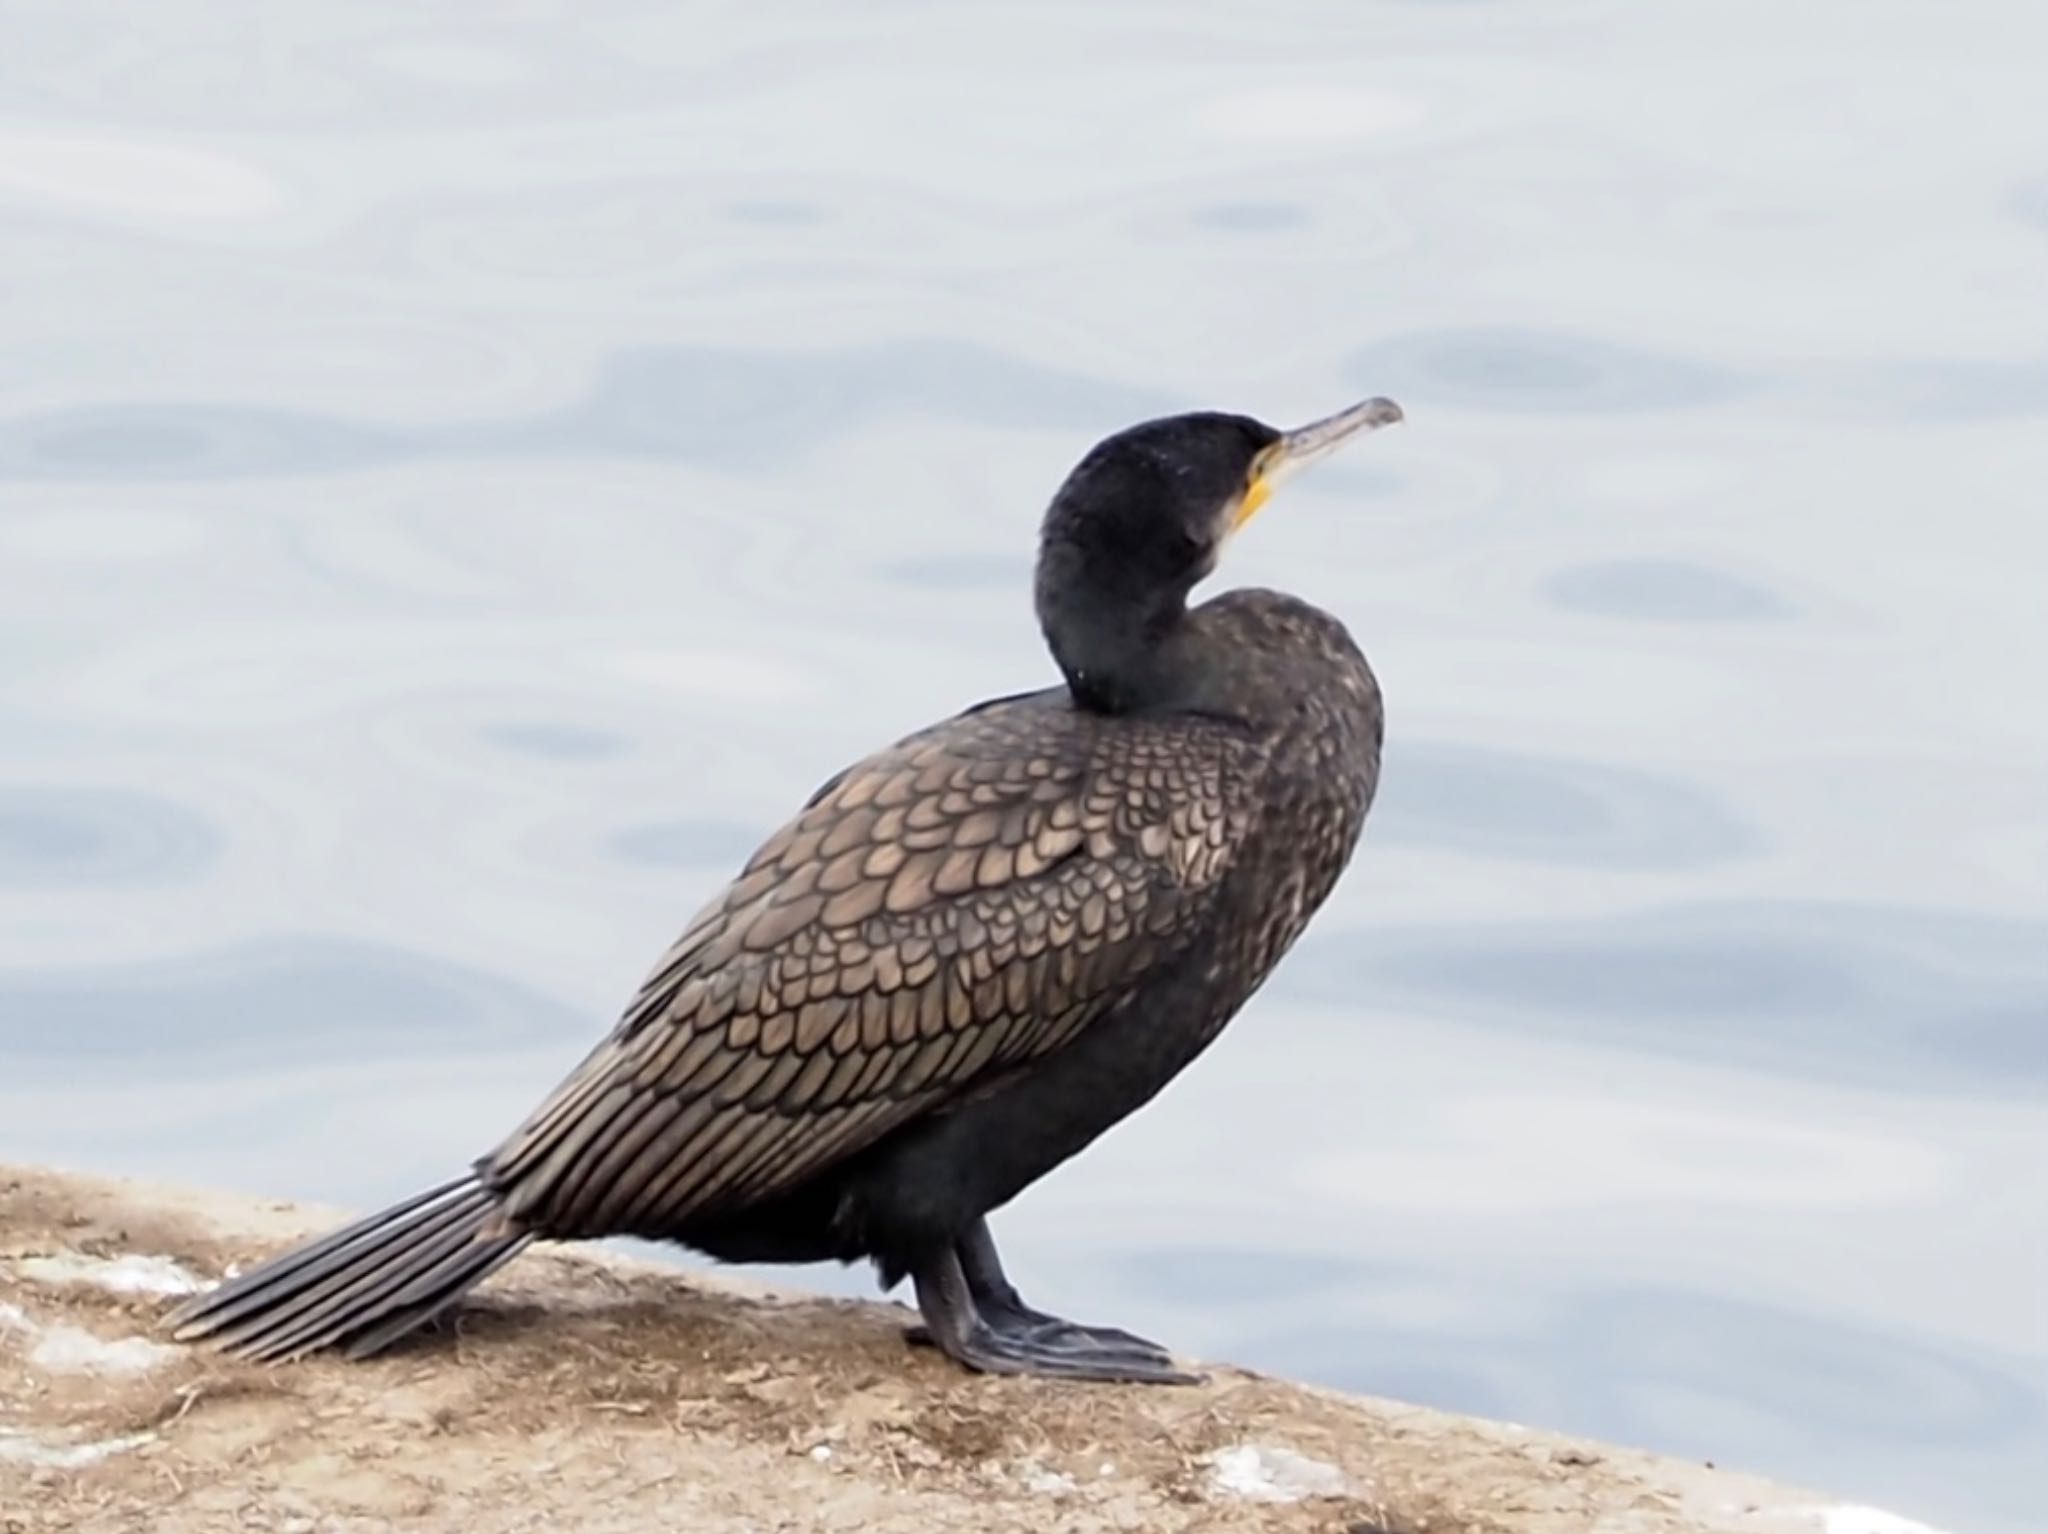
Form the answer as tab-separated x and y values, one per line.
952	907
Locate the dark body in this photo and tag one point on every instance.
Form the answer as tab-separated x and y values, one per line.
965	958
1063	914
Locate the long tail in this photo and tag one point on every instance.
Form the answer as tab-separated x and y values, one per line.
363	1287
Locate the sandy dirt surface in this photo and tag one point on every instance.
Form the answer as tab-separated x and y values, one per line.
583	1392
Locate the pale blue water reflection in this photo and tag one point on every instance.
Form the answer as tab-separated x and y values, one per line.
61	837
1662	590
197	1016
464	477
1669	1357
1910	999
1528	371
713	845
1506	805
692	405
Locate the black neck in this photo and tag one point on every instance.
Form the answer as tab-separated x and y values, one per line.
1115	638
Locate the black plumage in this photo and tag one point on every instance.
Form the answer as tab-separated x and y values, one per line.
966	957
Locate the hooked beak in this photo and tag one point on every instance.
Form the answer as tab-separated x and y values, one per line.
1299	448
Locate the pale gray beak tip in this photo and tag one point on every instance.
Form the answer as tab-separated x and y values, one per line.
1308	443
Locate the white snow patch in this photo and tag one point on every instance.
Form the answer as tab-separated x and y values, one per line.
25	1449
135	1273
1038	1478
69	1350
1261	1472
1851	1519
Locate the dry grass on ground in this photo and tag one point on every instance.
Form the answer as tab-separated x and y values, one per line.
600	1395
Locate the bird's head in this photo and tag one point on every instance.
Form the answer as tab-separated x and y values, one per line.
1143	518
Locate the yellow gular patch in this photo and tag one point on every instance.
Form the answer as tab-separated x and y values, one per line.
1254	497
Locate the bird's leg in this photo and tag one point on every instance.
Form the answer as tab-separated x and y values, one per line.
1004	1309
987	1282
999	1305
955	1323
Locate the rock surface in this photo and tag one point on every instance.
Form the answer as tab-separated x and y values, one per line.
582	1391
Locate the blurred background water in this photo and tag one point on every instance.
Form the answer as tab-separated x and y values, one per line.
467	471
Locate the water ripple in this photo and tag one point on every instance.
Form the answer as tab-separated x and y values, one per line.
1662	591
1238	1275
61	837
2029	202
781	212
706	405
1947	389
1490	803
1251	217
1908	999
749	408
186	441
687	843
963	572
561	742
289	1004
1780	1388
1532	371
1663	1350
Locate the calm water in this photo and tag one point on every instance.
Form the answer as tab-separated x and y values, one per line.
463	478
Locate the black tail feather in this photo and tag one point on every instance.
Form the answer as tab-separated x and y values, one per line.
361	1288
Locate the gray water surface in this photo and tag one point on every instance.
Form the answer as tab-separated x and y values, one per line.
466	475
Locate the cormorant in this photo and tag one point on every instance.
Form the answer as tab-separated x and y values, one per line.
964	959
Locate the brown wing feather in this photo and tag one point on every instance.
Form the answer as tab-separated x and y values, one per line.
940	912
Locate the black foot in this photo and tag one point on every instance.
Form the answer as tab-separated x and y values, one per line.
974	1316
1035	1328
1022	1320
1072	1357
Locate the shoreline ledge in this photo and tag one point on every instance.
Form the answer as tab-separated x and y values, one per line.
578	1390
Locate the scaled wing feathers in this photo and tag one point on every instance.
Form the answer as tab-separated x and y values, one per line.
957	904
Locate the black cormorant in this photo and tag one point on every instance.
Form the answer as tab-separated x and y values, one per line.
968	956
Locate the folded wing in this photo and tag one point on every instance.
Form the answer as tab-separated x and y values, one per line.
942	912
